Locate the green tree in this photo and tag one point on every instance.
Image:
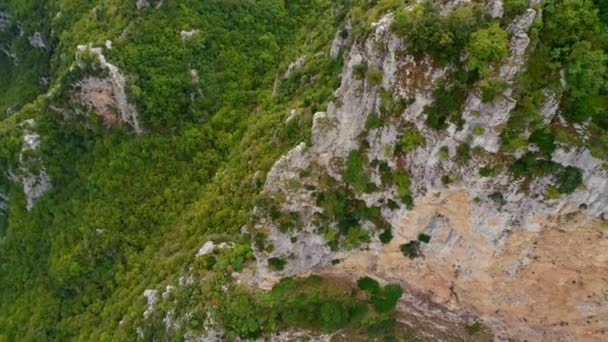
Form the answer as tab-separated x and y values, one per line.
487	46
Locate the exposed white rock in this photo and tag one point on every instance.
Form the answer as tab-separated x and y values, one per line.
128	112
294	66
141	4
518	45
495	9
186	35
6	50
36	182
5	21
483	229
209	246
194	76
152	299
37	41
550	106
341	40
594	195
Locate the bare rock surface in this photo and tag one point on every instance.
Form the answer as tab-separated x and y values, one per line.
526	266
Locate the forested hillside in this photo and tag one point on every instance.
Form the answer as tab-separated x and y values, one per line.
177	170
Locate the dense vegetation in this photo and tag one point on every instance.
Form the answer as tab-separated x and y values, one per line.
128	212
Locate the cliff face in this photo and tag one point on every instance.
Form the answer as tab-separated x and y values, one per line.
497	249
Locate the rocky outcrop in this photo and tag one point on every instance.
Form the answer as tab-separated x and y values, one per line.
37	41
5	21
294	66
341	40
105	94
186	35
34	179
527	266
152	299
141	4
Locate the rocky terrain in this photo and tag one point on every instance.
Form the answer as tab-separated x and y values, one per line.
531	268
304	170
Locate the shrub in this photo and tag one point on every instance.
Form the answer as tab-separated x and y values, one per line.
373	121
491	89
514	8
424	238
448	99
355	173
473	329
410	140
544	139
498	199
386	300
569	179
360	70
444	153
487	46
375	76
390	106
277	264
403	183
463	153
386	236
411	249
479	130
368	284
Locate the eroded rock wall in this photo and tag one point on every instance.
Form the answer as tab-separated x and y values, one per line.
529	267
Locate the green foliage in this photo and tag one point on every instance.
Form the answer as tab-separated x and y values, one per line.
373	121
444	153
355	173
569	179
473	329
375	76
544	139
424	238
276	264
411	249
463	153
360	71
389	106
448	99
430	33
498	199
479	130
491	89
410	140
487	46
384	298
513	8
386	236
369	284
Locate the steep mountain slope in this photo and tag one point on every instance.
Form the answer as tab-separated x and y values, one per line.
288	170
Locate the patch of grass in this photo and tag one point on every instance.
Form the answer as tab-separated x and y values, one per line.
473	329
375	76
463	153
479	130
410	140
444	153
373	121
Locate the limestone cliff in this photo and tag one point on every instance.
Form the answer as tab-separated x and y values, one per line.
529	266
